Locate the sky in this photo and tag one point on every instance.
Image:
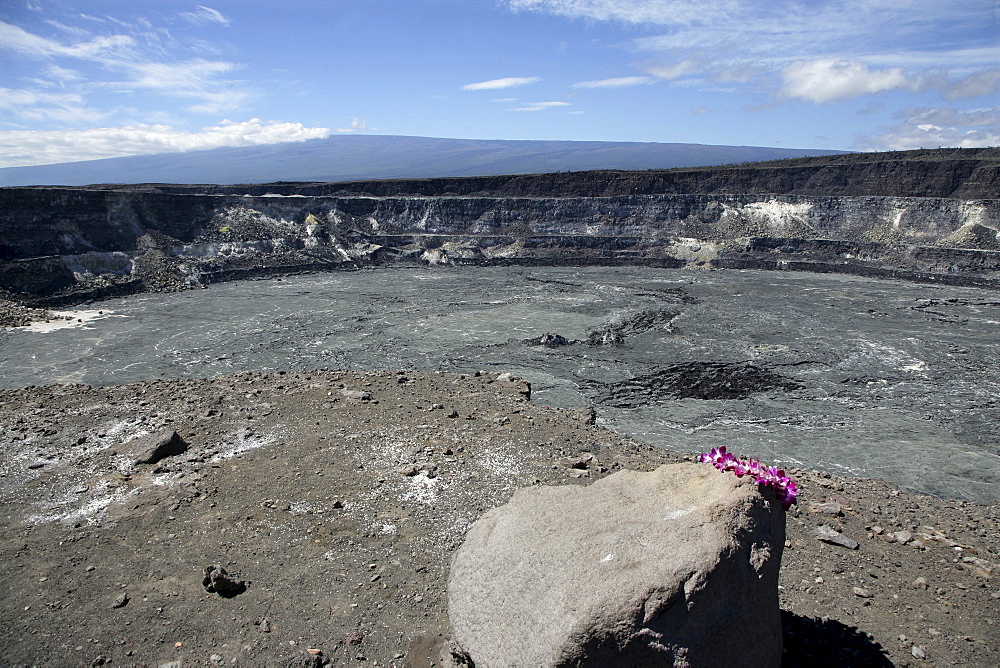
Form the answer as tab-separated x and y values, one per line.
86	79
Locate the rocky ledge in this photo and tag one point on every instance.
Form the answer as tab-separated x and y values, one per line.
311	518
931	217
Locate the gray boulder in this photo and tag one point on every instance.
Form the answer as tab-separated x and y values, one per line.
674	567
154	447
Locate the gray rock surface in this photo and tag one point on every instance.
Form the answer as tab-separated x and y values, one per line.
674	567
66	245
315	509
154	447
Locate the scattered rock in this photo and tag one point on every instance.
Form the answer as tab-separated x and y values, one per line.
120	601
581	462
903	537
218	581
356	395
606	338
828	508
834	537
523	387
549	341
235	508
586	415
638	568
304	661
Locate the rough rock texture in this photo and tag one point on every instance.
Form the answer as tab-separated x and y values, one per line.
151	449
677	566
217	580
40	222
698	380
296	489
932	217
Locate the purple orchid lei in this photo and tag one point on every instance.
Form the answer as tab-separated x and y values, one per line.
784	487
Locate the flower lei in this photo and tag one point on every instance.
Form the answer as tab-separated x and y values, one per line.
771	476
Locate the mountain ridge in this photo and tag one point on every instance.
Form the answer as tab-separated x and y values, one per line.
364	157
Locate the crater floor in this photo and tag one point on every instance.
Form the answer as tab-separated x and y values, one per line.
846	375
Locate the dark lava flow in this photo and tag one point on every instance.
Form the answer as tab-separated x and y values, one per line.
857	377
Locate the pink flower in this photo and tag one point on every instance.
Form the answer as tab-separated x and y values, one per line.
715	456
740	468
785	490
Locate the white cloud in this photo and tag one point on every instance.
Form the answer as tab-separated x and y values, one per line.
357	125
634	11
913	45
926	135
541	106
204	16
62	74
506	82
24	147
192	74
974	85
922	127
217	101
829	80
61	107
987	116
615	82
673	70
16	39
73	30
196	79
135	62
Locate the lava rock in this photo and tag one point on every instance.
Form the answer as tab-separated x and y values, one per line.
695	380
356	395
217	580
548	340
834	537
153	448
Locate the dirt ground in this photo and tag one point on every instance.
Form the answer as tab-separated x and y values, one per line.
334	501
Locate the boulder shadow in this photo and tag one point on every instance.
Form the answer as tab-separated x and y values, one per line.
813	642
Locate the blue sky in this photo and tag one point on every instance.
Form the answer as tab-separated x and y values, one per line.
83	79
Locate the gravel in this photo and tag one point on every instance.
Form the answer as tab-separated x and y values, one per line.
337	498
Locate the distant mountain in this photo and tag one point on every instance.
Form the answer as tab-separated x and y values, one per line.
362	157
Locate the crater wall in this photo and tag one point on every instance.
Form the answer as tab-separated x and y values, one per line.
76	243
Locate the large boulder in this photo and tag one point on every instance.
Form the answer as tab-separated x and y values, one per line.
674	567
152	448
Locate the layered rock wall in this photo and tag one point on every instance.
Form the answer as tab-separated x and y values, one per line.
60	222
169	240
